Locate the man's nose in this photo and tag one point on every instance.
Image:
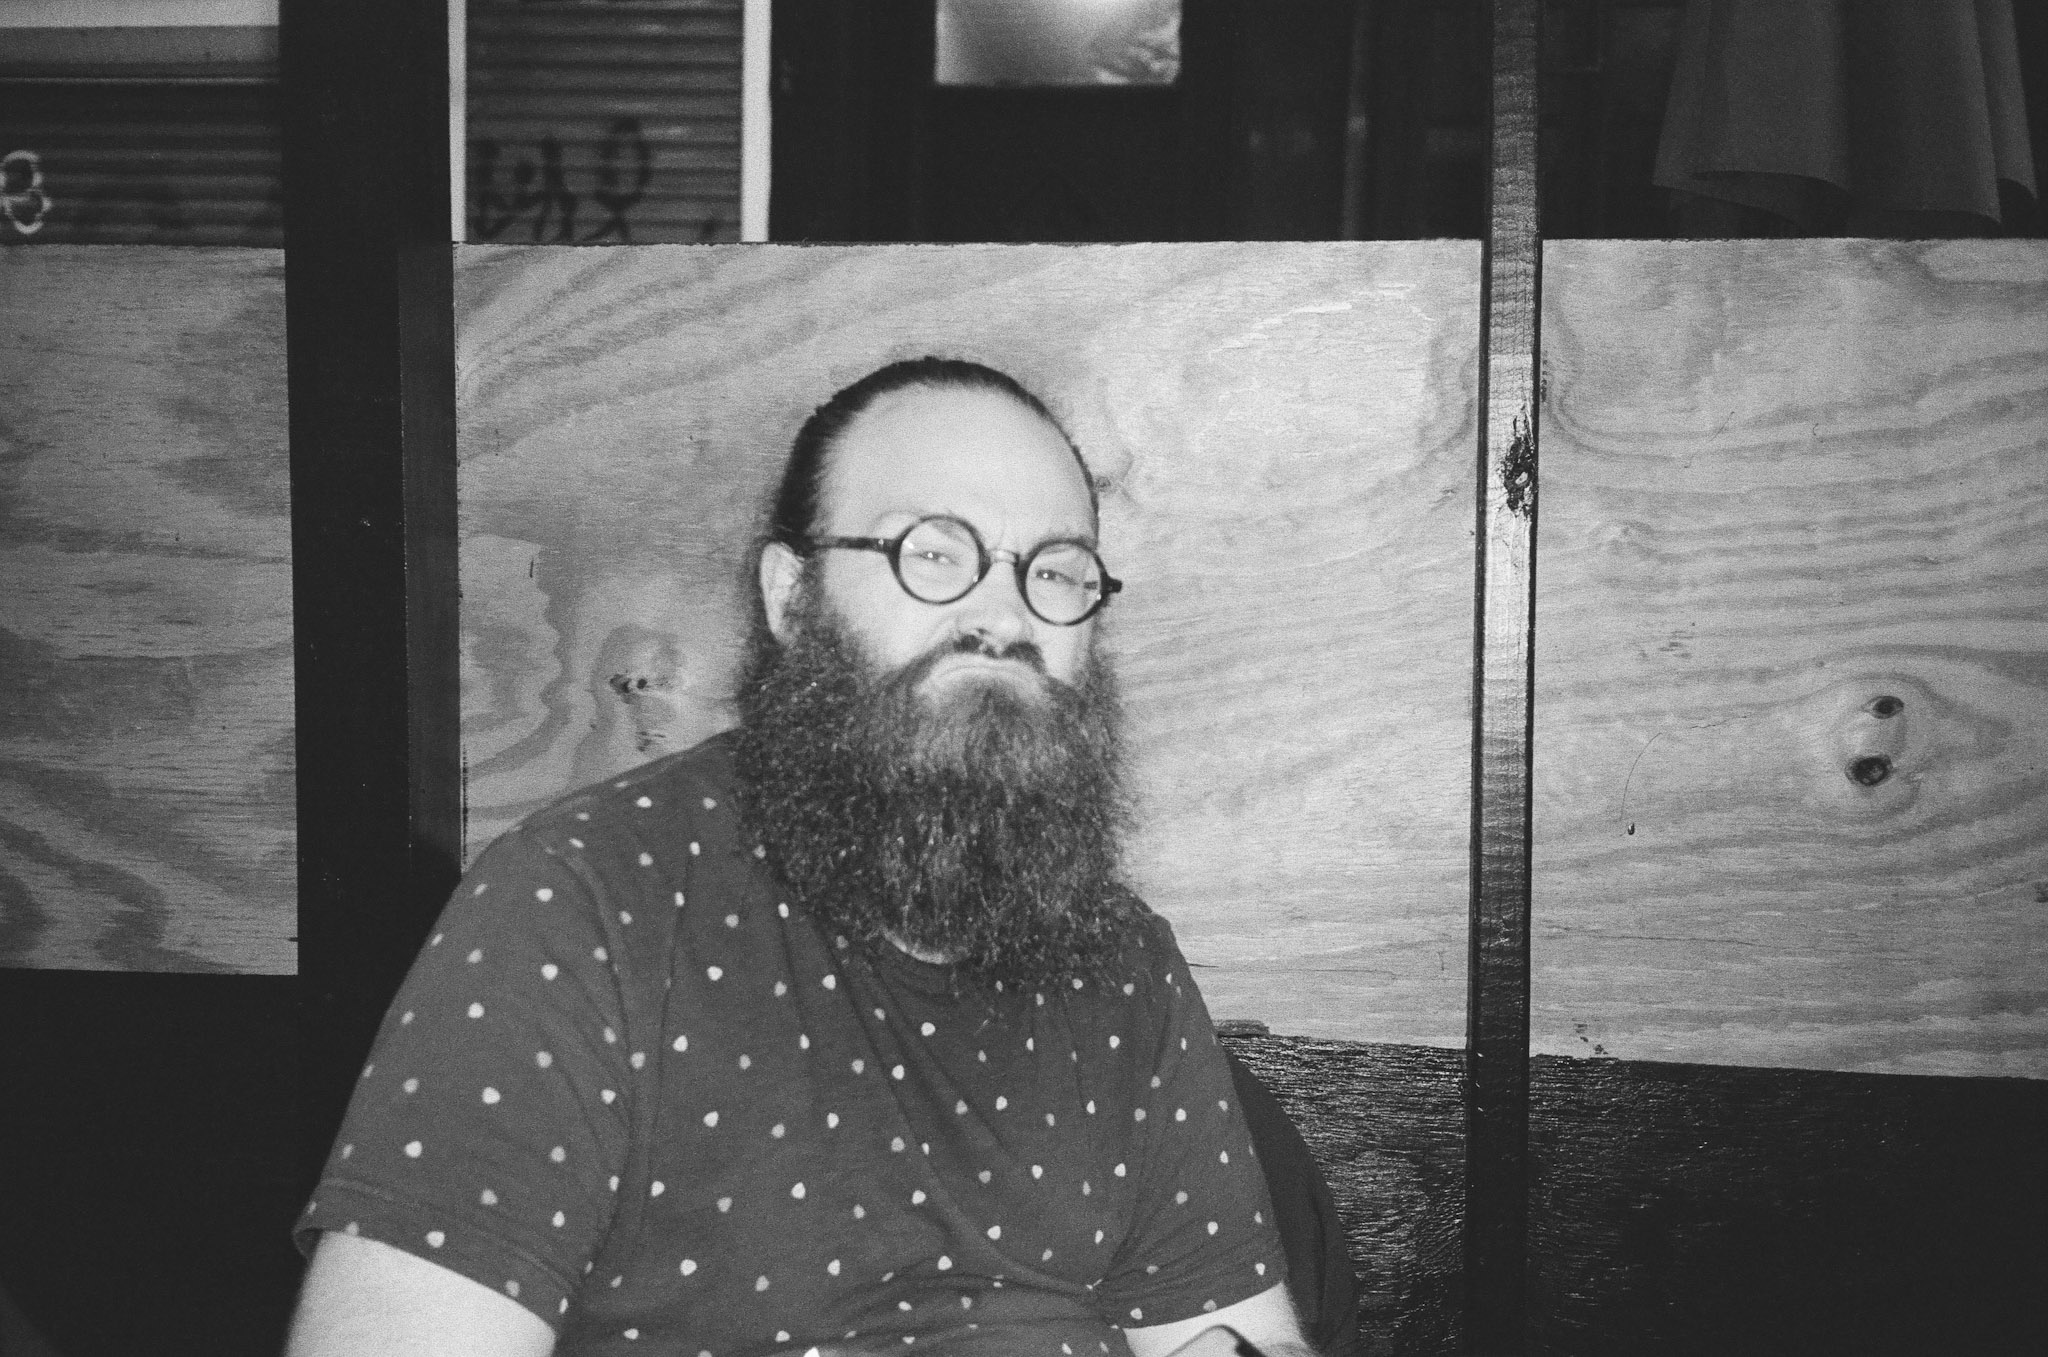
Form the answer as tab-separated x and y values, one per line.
995	607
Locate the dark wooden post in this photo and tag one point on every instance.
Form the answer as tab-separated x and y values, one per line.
371	378
1497	1034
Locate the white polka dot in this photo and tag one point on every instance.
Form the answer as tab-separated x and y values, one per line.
1180	1114
896	1144
488	1197
1223	1156
1001	1102
1212	1227
611	1038
715	972
1031	1043
490	1097
544	894
831	1120
575	842
435	941
732	921
761	1283
476	954
695	848
1049	1121
543	1059
558	1154
960	1108
512	1289
689	1266
681	1043
1137	1313
353	1227
481	887
1129	987
830	982
475	1011
412	1149
1046	1257
679	899
781	989
709	804
644	803
624	917
984	1175
724	1205
638	1060
746	1062
1155	1081
859	1212
1180	1198
656	1188
995	1232
1098	1236
803	1041
1085	1188
917	1197
632	1333
797	1191
1208	1305
550	971
1115	1041
406	1020
599	953
1077	982
1119	1170
1137	1114
711	1119
614	1182
347	1150
560	1220
945	1263
859	1065
1261	1268
778	1130
647	859
607	1095
927	1029
783	909
435	1239
411	1085
1037	1170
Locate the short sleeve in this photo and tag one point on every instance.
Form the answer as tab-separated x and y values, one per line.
1202	1234
491	1123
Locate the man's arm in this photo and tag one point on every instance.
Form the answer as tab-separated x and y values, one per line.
1266	1320
367	1299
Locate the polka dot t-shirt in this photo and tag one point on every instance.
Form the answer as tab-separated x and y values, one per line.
631	1085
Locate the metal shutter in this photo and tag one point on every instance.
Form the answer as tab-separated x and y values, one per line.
604	121
162	136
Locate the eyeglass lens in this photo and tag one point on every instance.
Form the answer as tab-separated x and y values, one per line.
940	560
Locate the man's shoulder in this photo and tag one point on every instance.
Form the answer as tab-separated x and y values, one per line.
678	792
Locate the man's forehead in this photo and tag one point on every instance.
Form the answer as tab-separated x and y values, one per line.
915	447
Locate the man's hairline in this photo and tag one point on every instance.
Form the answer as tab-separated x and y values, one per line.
829	455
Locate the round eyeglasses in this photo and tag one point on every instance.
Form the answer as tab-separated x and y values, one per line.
940	559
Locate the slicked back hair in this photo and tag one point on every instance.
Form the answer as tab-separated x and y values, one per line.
800	498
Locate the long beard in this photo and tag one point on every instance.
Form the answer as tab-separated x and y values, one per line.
983	826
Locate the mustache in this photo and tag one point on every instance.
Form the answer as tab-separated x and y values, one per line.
972	643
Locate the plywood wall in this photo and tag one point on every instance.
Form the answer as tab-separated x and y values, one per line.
146	772
1287	433
1792	655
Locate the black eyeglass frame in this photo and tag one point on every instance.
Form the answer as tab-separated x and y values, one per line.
892	547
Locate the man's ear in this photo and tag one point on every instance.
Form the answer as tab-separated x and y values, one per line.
781	571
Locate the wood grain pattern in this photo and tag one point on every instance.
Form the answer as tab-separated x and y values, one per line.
1286	432
1792	665
146	794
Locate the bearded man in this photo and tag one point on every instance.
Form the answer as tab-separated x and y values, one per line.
840	1032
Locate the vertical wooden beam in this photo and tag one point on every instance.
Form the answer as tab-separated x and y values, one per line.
371	380
1497	1040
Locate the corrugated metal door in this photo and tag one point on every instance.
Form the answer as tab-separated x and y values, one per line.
604	121
162	136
